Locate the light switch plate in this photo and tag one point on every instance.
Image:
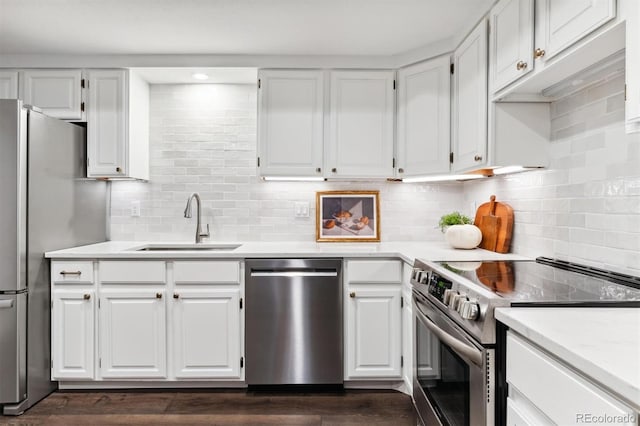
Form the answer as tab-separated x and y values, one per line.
301	209
135	208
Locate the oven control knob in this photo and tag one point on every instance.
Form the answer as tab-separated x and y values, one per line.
462	298
470	310
446	298
455	301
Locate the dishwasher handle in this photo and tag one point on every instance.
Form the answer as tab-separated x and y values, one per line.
295	273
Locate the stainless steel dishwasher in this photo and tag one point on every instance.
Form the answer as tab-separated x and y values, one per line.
293	321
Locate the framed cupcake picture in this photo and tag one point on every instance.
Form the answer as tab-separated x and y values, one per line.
348	216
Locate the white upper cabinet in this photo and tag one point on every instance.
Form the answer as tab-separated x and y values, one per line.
57	92
470	101
361	125
424	95
8	84
117	125
632	69
511	41
290	122
561	23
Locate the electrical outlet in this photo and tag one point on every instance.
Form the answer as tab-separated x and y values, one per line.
301	209
135	208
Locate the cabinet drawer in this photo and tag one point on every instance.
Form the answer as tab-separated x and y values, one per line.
544	381
206	272
374	271
72	272
131	271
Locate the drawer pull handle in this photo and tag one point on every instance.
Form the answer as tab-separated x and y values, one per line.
158	295
176	296
478	158
65	273
86	297
352	294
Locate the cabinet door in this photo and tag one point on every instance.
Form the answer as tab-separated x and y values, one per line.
72	334
206	334
361	124
424	118
290	135
8	84
132	334
511	42
561	23
373	332
470	101
632	69
57	92
107	123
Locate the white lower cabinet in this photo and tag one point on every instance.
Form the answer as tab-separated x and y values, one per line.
206	334
132	334
147	319
538	381
374	332
72	337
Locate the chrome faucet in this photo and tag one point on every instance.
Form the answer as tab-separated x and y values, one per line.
187	214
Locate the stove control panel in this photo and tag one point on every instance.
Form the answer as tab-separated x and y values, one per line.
438	286
452	296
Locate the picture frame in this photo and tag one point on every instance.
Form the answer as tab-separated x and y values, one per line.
348	216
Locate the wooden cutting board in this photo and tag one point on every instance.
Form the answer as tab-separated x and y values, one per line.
495	220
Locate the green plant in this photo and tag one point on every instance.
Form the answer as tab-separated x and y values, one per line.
455	218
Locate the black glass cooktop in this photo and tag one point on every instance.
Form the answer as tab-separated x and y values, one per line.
552	282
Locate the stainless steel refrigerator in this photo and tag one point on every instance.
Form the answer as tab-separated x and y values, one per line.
45	204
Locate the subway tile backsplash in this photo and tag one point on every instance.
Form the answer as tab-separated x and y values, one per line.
585	207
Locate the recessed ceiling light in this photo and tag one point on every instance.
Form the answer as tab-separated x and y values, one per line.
200	76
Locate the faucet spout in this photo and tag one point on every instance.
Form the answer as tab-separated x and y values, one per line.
187	214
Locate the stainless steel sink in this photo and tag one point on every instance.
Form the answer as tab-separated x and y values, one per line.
189	247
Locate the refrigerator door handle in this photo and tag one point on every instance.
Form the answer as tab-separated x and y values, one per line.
6	304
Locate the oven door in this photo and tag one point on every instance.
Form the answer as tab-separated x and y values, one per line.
453	380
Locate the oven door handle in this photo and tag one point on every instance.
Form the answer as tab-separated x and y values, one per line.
466	351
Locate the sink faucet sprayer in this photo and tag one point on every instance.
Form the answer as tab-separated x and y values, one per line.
187	214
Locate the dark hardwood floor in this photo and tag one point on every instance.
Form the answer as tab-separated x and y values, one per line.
233	407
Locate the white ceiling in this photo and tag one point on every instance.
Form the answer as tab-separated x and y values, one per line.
236	27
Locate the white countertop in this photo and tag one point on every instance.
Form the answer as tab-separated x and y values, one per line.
406	250
602	343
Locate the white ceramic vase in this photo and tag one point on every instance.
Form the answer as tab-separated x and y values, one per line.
463	236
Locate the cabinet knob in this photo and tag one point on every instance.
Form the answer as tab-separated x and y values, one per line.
334	170
539	53
118	169
400	170
352	294
176	296
318	170
86	296
158	295
478	158
521	65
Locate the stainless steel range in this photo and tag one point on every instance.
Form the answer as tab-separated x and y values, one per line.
457	347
